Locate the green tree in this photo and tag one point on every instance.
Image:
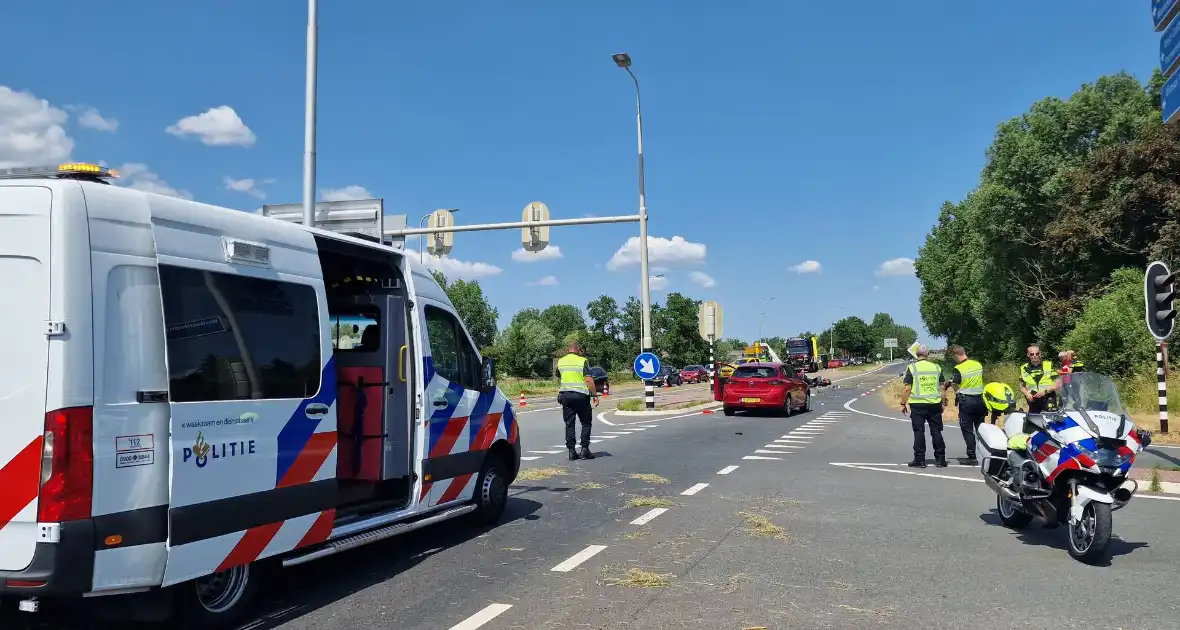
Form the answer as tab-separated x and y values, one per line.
478	315
527	348
852	334
604	315
678	338
563	320
1110	335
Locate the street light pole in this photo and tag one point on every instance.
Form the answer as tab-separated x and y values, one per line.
761	319
623	60
309	120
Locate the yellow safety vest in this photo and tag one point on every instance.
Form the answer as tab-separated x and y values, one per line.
1038	379
971	377
924	389
572	369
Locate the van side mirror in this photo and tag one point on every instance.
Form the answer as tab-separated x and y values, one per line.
488	371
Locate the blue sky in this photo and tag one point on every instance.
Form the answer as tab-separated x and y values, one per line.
775	132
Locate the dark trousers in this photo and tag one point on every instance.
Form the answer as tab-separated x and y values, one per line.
971	414
575	406
1041	405
922	414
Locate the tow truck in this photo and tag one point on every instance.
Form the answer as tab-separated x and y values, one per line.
803	354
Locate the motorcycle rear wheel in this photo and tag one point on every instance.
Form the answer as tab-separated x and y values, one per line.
1010	513
1089	537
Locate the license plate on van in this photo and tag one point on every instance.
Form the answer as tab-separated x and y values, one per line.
751	400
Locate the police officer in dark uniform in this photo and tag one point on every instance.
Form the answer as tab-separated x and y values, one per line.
967	378
922	400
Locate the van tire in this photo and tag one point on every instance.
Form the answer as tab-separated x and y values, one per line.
491	492
219	600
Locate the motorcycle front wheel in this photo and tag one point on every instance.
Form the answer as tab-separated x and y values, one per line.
1089	537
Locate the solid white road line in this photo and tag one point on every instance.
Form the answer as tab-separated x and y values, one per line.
480	618
794	440
608	437
578	558
848	406
544	452
647	517
765	452
695	489
727	470
784	446
759	457
615	432
529	459
602	419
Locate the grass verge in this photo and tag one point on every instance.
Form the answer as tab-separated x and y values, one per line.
638	404
649	477
758	525
1156	484
512	386
589	485
537	474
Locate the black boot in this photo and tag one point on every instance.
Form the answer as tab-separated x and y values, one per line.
917	463
969	461
586	454
940	462
574	455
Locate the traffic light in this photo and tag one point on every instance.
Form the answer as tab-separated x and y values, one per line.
1159	290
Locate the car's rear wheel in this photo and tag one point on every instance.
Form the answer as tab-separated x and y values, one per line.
727	410
807	402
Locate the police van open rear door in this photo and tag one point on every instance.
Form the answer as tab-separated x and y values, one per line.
252	390
24	286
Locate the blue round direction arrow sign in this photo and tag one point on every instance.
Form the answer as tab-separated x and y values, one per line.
647	365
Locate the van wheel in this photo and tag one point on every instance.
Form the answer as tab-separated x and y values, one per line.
491	492
218	600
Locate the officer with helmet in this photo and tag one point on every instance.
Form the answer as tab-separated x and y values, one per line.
998	399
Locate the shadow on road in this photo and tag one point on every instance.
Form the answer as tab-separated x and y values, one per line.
291	593
1036	534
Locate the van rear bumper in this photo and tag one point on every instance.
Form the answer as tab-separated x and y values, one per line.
64	568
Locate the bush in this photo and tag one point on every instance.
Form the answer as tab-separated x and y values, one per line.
1110	336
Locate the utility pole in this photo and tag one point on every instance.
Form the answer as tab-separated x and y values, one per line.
309	120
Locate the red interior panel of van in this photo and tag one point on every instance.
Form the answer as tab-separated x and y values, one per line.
360	389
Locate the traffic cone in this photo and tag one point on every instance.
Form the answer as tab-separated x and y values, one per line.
606	389
523	401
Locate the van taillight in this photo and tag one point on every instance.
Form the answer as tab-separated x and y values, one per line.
67	465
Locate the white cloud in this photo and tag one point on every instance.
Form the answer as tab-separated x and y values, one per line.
876	288
896	267
658	283
137	176
248	185
454	268
216	127
348	193
547	281
91	119
807	266
31	130
702	278
552	252
660	251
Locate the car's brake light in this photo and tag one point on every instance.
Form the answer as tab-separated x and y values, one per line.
67	465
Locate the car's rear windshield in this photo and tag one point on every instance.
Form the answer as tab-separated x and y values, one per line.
751	371
692	368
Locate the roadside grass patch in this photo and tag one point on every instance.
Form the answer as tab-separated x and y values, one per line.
537	474
639	578
631	404
638	404
648	502
1156	484
758	525
589	485
642	532
649	477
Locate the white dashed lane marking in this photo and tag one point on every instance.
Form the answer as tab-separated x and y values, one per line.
480	618
530	458
695	489
648	516
578	558
766	452
759	457
727	470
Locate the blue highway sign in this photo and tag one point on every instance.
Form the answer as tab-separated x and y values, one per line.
1170	99
1162	12
647	365
1170	48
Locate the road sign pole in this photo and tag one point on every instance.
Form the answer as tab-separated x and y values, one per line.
712	364
1161	376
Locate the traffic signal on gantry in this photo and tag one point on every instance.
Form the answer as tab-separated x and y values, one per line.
1159	287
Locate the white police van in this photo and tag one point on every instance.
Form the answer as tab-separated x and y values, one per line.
194	394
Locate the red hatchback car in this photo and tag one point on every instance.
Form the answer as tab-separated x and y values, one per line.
771	386
694	374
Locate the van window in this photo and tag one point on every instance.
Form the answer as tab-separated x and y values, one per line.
357	331
232	337
454	358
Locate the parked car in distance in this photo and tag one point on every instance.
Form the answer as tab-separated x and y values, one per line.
771	386
601	378
835	363
694	374
669	375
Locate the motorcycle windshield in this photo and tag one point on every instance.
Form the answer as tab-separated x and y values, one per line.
1091	392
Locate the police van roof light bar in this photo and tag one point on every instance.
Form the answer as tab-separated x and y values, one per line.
67	170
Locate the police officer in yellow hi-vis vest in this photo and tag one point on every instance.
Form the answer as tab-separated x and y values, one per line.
1037	381
967	378
575	394
922	400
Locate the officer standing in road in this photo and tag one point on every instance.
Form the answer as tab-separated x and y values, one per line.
574	394
967	378
1036	381
922	400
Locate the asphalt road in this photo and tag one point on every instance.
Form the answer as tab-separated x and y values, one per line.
764	524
